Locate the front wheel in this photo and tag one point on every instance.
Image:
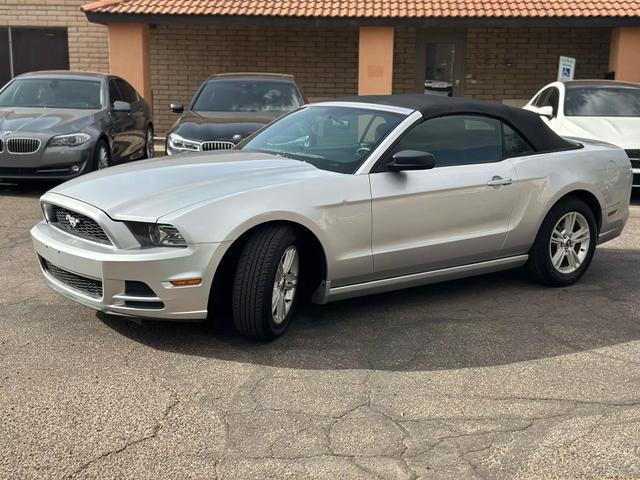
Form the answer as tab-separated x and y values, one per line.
265	289
565	244
148	143
102	158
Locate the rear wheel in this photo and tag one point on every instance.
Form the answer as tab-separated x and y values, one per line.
265	289
565	244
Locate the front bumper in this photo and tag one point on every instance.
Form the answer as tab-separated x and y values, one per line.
56	163
112	266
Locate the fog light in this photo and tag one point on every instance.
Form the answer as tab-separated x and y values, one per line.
186	283
75	169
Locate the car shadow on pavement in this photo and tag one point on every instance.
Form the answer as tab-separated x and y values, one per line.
484	321
25	189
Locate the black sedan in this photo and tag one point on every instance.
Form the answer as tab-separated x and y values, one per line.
227	108
59	125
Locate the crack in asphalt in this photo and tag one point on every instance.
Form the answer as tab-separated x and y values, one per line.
155	430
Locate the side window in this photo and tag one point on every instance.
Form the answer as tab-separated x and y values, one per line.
128	92
514	144
540	99
114	92
552	100
456	140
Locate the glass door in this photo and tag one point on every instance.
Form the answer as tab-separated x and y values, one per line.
441	63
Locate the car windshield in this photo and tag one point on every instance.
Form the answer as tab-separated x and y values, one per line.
333	138
52	93
602	101
247	96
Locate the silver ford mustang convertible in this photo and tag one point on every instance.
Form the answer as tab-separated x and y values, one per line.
332	201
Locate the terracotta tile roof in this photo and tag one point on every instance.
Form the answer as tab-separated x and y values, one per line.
372	8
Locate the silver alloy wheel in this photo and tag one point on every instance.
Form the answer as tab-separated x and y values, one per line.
103	157
149	143
285	284
569	243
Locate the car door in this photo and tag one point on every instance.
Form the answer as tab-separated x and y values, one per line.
120	124
137	128
454	214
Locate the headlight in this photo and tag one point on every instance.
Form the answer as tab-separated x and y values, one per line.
156	234
70	140
178	143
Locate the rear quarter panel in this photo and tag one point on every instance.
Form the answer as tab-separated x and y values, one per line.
543	179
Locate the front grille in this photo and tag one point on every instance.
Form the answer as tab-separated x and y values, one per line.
88	286
217	145
635	163
78	225
23	145
633	153
1	145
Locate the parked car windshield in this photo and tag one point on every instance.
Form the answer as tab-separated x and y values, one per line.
52	93
602	101
332	138
247	96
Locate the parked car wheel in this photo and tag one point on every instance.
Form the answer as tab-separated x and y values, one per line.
149	145
265	289
102	156
565	244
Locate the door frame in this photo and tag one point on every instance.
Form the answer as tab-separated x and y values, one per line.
459	39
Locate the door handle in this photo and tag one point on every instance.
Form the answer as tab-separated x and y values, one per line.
498	181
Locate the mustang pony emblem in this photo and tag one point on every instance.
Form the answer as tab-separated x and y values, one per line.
73	221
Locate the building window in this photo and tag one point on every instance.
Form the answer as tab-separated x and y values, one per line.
24	49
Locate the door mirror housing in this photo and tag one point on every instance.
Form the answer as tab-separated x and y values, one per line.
177	108
122	107
411	160
546	111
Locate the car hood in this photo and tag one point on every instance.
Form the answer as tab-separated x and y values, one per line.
620	131
148	190
205	126
17	119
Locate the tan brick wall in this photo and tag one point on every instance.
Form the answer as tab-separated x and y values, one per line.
325	62
88	46
531	52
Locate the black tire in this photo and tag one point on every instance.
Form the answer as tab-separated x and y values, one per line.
97	164
254	283
540	266
149	149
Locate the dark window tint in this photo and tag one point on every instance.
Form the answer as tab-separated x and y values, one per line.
247	96
114	92
551	100
456	140
5	60
602	101
52	93
542	96
39	49
514	144
127	91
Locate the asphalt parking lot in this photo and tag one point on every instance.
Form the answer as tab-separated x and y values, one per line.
491	377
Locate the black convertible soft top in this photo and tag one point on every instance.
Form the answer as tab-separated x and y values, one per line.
527	123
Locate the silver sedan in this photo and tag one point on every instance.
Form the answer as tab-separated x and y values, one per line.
332	201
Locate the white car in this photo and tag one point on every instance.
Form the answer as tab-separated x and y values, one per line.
332	201
594	109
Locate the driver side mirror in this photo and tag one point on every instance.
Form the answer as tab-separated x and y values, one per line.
177	108
546	111
121	107
411	160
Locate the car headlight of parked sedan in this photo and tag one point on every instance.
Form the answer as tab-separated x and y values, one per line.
70	140
177	144
157	234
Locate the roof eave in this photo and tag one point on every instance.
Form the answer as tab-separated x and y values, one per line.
417	22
